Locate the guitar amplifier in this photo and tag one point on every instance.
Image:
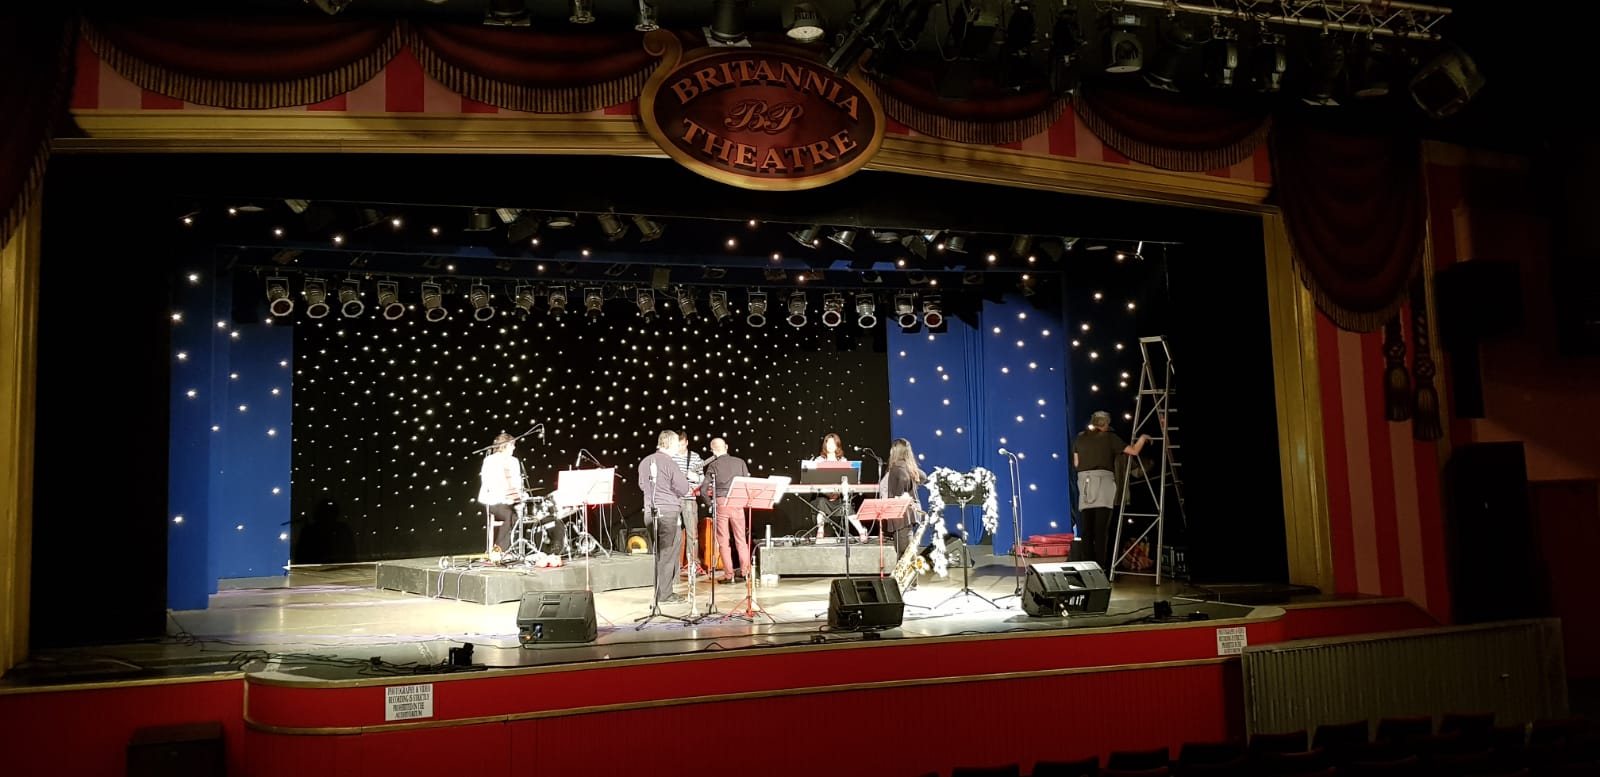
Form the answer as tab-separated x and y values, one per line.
1053	590
556	617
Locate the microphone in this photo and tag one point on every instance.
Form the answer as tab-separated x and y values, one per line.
579	461
1004	452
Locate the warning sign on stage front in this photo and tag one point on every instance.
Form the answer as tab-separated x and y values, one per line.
408	702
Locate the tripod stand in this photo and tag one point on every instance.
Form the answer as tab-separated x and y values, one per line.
655	597
966	559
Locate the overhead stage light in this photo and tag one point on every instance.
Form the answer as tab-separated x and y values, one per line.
832	310
727	21
389	300
433	303
797	309
594	302
316	294
905	310
649	230
482	302
278	299
956	244
557	301
582	12
866	311
686	304
350	304
932	313
719	305
1125	52
1269	60
808	236
844	237
646	300
757	307
611	226
806	27
522	297
648	17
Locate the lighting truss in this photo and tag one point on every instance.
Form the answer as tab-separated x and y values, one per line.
1392	18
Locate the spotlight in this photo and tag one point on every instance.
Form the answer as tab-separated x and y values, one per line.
648	230
686	304
719	305
433	303
956	244
1022	246
646	300
562	221
557	300
389	300
1125	49
1373	78
867	27
844	237
797	309
329	7
1327	65
972	278
918	243
806	27
757	306
316	293
1268	62
594	303
524	229
808	236
482	302
905	310
727	21
350	304
611	226
1443	86
1222	57
278	300
582	12
1179	38
866	311
832	310
648	17
506	13
522	297
932	313
480	221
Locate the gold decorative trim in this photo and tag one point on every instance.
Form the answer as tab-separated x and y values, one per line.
1296	382
987	133
19	349
144	682
725	697
1355	602
232	132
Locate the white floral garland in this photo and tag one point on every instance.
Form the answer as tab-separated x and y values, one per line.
966	488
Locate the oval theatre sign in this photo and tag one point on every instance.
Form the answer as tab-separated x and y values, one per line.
760	119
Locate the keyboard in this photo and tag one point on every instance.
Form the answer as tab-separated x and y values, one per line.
818	489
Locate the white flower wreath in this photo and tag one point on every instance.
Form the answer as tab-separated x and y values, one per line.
948	487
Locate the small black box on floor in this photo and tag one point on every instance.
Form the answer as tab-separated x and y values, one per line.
556	616
184	750
1072	587
864	604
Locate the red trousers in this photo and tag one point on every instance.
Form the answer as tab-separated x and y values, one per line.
728	519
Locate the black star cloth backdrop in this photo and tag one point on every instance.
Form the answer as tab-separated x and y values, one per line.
388	414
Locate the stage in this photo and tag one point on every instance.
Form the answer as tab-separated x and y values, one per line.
469	580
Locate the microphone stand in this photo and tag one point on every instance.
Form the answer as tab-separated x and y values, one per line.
1015	468
655	599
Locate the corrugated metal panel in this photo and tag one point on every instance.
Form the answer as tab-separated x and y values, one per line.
1513	669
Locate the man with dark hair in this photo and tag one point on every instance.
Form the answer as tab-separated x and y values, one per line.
664	487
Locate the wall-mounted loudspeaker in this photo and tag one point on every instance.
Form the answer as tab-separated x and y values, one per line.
1053	590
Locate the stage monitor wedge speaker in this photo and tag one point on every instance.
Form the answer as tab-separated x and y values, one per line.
1053	590
546	617
864	604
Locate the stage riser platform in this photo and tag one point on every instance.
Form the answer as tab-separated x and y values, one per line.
825	560
493	585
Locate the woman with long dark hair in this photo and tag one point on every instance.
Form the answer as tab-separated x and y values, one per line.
833	450
901	479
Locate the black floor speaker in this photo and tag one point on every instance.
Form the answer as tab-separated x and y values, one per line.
864	604
1053	590
556	617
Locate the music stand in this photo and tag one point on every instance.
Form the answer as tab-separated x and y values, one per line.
748	494
586	488
966	564
881	510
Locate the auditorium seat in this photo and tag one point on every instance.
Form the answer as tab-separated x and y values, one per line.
1546	732
1232	768
1340	736
1083	767
1404	729
1475	724
1410	766
1287	742
1011	770
1206	753
1135	760
1160	771
1312	761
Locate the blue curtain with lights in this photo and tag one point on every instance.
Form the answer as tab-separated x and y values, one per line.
999	380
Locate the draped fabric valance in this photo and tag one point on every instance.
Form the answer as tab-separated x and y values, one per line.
245	62
537	72
36	60
988	115
1170	131
1356	211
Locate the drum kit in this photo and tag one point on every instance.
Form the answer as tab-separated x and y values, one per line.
545	534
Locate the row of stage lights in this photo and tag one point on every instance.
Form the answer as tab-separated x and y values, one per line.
320	297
